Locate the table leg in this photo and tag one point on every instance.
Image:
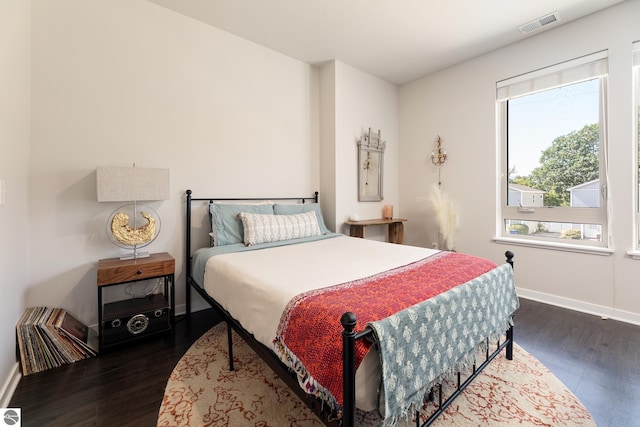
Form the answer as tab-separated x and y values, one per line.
396	232
100	326
356	230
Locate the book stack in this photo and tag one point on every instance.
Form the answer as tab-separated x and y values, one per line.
51	337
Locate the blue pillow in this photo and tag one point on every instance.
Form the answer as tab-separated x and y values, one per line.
292	209
226	227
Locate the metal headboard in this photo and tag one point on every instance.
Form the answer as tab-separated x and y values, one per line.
191	199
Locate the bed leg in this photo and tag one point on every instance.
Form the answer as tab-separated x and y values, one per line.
188	254
188	300
510	343
348	321
230	345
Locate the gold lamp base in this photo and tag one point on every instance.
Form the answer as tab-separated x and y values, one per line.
124	229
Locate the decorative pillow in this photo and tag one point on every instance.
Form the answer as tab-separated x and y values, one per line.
291	209
226	227
274	228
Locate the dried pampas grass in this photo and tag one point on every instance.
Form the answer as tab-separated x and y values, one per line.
445	216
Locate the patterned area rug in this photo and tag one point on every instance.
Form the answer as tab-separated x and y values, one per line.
203	392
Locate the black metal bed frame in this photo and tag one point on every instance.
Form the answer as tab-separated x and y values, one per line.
349	338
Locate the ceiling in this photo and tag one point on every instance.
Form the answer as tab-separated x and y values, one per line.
396	40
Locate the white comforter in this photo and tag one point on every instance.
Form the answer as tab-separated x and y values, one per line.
255	286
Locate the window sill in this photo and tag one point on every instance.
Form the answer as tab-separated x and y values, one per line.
592	250
635	253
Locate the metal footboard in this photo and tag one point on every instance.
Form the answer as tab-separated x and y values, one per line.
349	338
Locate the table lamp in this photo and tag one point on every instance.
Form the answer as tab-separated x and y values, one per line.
132	184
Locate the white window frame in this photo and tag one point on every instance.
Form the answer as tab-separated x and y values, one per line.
574	71
635	253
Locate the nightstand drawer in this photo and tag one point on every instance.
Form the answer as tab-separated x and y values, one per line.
120	271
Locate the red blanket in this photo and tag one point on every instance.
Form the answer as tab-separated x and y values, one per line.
309	335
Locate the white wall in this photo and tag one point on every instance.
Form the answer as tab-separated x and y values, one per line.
118	82
459	105
15	69
328	185
363	101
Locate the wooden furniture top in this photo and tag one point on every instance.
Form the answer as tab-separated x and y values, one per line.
116	270
380	221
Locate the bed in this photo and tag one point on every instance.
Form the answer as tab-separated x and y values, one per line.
343	320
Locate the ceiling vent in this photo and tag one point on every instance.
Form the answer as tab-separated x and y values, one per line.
537	24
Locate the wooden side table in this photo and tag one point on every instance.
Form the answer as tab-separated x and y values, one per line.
133	318
396	228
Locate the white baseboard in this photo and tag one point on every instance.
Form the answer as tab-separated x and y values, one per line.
10	385
584	307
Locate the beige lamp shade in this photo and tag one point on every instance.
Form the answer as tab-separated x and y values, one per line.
128	184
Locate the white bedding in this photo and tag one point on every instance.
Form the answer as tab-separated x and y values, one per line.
255	286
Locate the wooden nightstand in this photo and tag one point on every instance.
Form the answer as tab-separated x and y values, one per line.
133	318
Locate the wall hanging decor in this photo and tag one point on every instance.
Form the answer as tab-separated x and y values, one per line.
438	156
370	167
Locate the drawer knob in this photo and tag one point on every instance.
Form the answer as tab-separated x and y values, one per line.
139	272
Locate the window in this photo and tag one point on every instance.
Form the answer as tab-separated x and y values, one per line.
553	133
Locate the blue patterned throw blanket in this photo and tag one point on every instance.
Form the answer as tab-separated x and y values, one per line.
425	343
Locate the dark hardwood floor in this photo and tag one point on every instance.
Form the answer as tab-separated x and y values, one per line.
122	387
599	360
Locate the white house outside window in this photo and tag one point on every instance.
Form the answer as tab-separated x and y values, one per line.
553	135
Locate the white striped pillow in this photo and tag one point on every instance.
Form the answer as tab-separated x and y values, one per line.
274	228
